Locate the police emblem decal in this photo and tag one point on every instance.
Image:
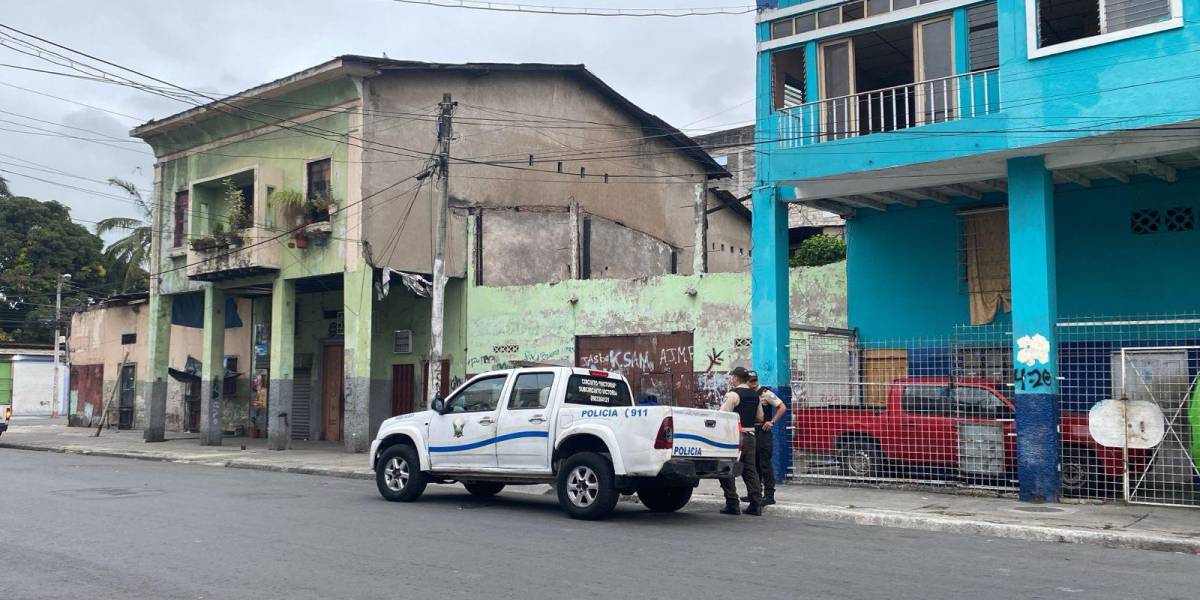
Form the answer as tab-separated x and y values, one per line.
458	427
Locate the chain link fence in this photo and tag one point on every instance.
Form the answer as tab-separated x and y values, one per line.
941	411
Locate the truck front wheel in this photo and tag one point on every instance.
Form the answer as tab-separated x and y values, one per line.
398	474
661	497
585	486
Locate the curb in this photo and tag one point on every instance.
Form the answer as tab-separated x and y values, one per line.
229	464
813	512
975	527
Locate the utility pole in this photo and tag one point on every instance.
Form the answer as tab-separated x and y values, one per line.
57	346
440	208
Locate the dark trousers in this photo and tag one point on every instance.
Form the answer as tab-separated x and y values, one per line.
764	449
749	473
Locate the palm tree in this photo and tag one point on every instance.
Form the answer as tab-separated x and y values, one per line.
130	253
4	191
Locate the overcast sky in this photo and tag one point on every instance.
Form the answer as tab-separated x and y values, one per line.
697	72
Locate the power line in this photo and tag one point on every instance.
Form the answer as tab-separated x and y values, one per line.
584	11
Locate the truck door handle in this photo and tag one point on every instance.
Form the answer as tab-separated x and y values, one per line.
710	422
486	421
537	419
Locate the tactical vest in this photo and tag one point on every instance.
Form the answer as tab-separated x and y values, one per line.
747	407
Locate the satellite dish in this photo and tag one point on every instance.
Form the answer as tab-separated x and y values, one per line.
1133	423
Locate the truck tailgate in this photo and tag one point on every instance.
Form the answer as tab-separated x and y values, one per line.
703	433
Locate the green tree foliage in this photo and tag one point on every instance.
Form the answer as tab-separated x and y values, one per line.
820	249
4	191
127	257
38	241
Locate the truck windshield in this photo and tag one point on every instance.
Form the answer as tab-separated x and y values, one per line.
597	391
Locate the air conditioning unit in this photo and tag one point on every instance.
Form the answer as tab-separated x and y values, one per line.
402	341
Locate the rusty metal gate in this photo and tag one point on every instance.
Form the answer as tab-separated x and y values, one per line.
656	364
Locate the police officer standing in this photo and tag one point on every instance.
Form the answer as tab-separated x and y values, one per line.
744	401
773	410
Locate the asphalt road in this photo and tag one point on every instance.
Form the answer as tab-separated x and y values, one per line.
87	527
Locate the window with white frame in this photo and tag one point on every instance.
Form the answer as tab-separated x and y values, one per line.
1063	21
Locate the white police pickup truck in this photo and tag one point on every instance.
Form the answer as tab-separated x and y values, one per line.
577	429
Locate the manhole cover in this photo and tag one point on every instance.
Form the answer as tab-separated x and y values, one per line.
100	493
1039	509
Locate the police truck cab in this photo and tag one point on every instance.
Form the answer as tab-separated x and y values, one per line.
576	429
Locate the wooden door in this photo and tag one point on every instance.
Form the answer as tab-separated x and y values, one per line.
403	386
332	387
658	364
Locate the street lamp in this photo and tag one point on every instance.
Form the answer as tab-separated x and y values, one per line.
54	400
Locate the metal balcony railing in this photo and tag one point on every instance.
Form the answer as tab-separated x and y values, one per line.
889	109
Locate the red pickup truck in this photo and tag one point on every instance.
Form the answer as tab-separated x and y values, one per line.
967	425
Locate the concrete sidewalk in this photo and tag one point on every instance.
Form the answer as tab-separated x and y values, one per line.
1115	525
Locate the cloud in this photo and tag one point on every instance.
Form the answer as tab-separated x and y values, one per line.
680	69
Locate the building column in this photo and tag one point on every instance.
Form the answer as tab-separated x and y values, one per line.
358	305
212	371
158	358
283	355
1035	344
769	294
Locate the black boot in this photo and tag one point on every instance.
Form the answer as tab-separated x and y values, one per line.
768	499
754	509
731	508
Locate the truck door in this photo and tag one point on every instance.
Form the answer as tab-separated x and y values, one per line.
463	436
925	425
523	433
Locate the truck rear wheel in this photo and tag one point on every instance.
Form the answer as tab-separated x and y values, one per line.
585	486
859	456
661	497
398	474
483	489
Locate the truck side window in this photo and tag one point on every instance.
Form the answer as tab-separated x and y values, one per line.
598	391
927	399
979	402
531	391
480	396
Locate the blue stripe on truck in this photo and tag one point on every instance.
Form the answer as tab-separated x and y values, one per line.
489	441
702	439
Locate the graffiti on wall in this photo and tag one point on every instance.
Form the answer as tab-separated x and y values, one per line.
675	358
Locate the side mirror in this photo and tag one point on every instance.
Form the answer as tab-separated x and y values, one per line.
438	404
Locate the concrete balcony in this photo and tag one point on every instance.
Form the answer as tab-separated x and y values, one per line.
250	252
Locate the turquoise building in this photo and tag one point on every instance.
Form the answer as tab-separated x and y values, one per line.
1026	168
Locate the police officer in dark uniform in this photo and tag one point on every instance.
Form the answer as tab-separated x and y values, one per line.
773	410
744	401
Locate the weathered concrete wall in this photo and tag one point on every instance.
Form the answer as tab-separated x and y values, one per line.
521	247
616	251
728	241
540	322
659	205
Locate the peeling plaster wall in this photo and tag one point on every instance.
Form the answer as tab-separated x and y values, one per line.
96	340
540	322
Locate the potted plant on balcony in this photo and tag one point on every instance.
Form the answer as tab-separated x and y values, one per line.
291	207
318	206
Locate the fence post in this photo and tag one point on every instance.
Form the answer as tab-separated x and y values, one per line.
1035	343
